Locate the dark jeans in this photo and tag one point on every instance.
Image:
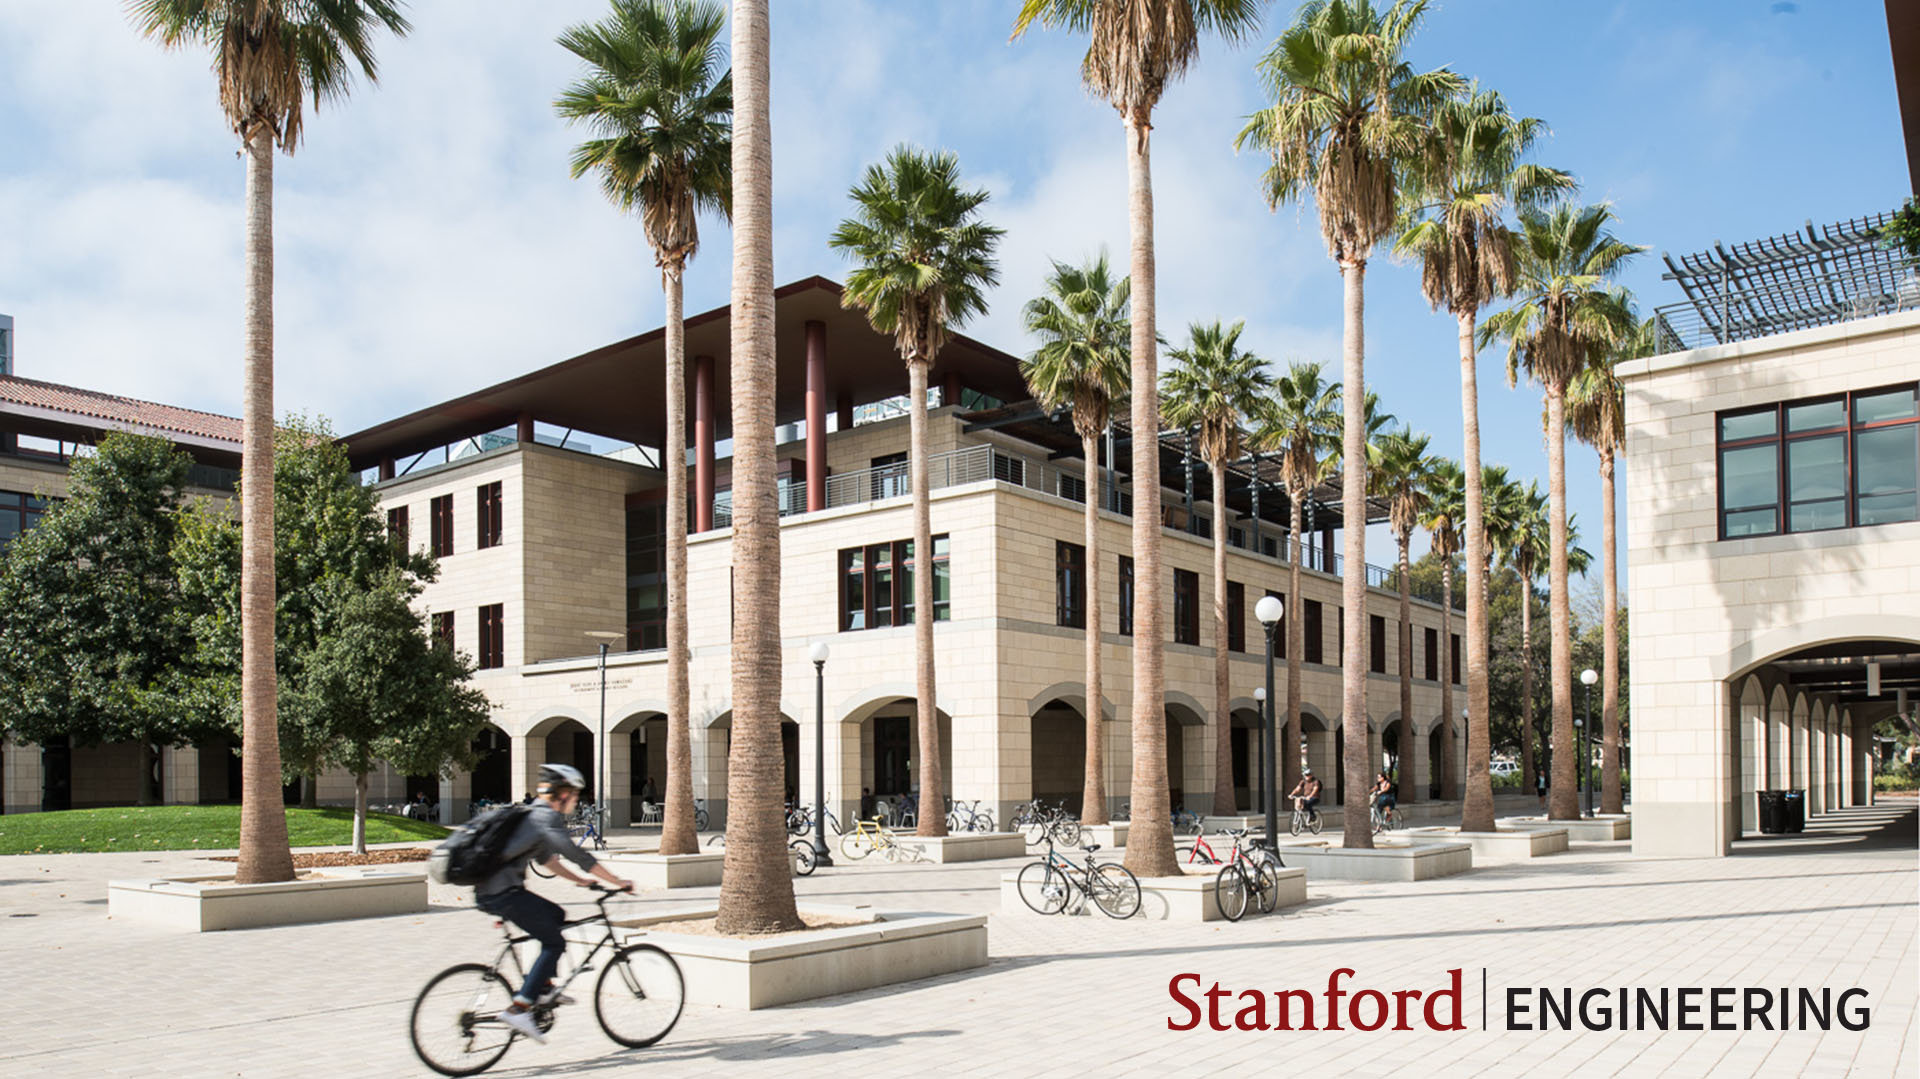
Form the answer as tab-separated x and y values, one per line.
540	919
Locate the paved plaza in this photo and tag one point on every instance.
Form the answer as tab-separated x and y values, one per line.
1834	907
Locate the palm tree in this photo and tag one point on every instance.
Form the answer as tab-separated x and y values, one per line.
925	263
1137	48
1300	423
1596	410
756	885
1446	499
1524	548
1500	513
269	55
1348	118
1400	471
1213	390
1474	170
1081	365
660	101
1562	318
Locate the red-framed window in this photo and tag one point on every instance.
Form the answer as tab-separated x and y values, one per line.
487	515
1236	617
1123	607
440	526
397	528
1069	584
1819	463
1186	607
876	584
443	627
1377	643
493	636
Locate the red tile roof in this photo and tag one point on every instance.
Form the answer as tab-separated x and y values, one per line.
118	411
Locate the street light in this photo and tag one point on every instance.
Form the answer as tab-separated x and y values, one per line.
1260	792
819	654
600	771
1268	611
1588	678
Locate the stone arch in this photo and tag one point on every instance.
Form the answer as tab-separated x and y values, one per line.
880	739
1072	693
1750	705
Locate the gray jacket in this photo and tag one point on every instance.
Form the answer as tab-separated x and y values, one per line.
541	835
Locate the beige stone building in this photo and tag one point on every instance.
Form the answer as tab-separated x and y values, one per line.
1773	450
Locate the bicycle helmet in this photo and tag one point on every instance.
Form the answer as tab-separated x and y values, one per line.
561	775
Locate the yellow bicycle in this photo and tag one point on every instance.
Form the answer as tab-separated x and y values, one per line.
869	837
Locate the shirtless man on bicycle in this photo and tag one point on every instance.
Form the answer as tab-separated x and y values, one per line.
1306	794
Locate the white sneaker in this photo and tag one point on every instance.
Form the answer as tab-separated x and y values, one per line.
522	1021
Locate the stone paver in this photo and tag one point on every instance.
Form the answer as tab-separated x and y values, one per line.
1061	996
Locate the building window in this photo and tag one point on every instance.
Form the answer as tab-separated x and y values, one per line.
876	584
1433	654
1186	607
493	637
1236	617
1315	632
19	512
1820	463
890	477
1010	470
1280	627
647	577
1073	488
1123	607
1377	643
440	523
397	528
1237	537
443	627
487	515
1340	637
1070	585
1454	654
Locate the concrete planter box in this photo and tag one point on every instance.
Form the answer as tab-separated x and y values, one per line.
1416	860
1186	898
1512	845
208	903
656	871
1109	836
1597	829
892	947
962	847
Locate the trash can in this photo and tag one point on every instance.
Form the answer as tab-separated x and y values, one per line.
1773	812
1796	811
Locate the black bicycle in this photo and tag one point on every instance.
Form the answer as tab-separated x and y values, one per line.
456	1028
1055	881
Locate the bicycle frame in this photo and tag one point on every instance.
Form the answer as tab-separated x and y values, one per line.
510	949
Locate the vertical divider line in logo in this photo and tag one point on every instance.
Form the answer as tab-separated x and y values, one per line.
1483	998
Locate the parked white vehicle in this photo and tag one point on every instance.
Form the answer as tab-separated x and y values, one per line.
1506	768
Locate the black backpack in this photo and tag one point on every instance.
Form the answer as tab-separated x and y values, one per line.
479	850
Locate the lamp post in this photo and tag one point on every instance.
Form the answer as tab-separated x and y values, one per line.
1268	611
600	770
819	654
1260	792
1588	678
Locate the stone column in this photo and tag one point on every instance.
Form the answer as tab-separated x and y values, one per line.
816	416
1417	761
702	444
618	797
1817	761
456	798
529	752
1753	763
24	777
179	775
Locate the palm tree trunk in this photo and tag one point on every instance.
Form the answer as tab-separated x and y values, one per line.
1610	797
1289	757
1410	784
1223	800
1563	802
360	813
676	823
1093	798
1528	766
756	886
1150	834
310	791
264	854
1449	764
1353	575
933	797
1476	812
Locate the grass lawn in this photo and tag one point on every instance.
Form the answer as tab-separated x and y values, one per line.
187	827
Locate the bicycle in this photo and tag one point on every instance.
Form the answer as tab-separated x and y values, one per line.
1304	820
455	1026
1048	885
1051	824
800	821
869	836
969	817
1389	820
1249	873
700	820
1186	822
586	826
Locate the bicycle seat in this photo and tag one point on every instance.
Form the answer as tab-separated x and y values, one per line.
1091	847
1236	833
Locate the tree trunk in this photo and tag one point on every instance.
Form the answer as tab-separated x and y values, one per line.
676	819
1610	795
933	795
1289	773
1353	575
310	791
1411	785
149	775
264	854
1223	800
756	887
1476	811
1563	801
1150	834
1093	798
360	813
1449	764
1528	764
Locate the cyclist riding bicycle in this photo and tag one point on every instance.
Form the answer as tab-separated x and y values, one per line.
541	837
1306	793
1383	796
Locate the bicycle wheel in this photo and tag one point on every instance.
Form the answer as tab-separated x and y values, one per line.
856	844
984	820
639	997
1313	823
1115	890
700	820
718	840
803	858
1266	887
1193	856
1066	831
1379	822
453	1026
1044	888
1294	822
1230	891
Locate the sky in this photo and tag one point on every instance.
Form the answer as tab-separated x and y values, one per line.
429	240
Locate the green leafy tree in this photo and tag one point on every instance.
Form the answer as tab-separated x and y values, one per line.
90	640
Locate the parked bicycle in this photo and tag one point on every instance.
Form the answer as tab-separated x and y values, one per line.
1048	823
1186	822
455	1025
968	817
700	822
588	825
800	850
1055	882
1250	874
871	836
800	820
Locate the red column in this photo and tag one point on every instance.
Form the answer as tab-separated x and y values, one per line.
950	389
702	444
523	431
386	468
816	416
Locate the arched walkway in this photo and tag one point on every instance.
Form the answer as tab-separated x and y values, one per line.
880	750
1246	737
1058	753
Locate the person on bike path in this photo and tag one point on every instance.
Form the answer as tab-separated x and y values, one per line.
1383	796
1306	793
542	837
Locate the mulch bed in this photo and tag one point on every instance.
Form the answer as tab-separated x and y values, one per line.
326	859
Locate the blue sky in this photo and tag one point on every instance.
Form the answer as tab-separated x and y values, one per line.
430	240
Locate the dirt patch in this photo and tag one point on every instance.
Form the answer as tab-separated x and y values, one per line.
704	927
332	858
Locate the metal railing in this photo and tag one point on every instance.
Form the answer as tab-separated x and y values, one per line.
1749	310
